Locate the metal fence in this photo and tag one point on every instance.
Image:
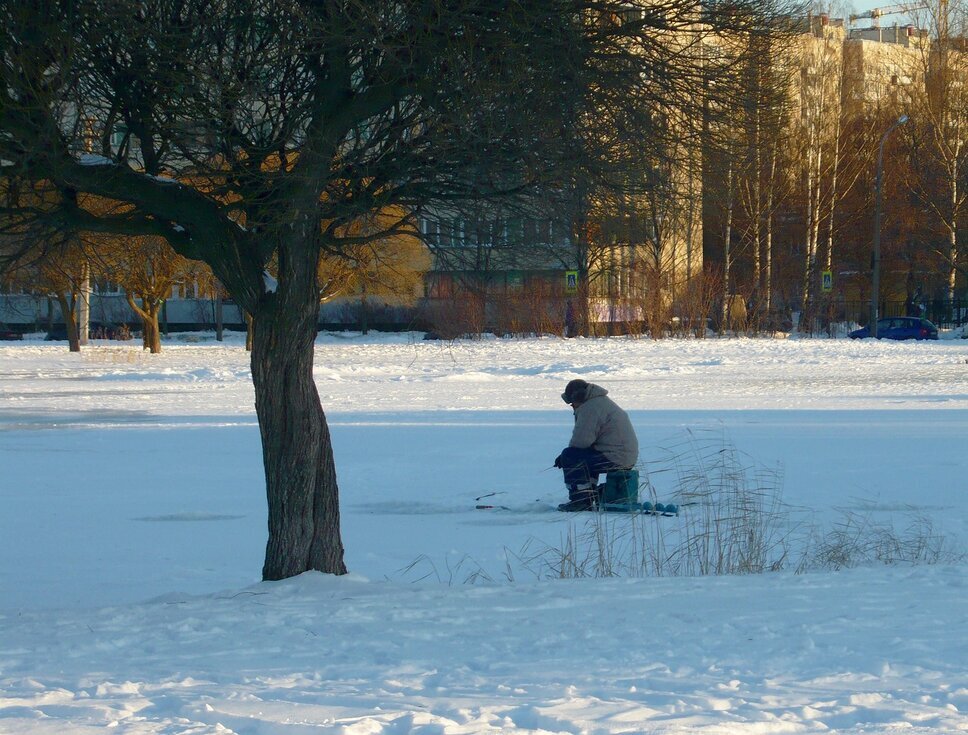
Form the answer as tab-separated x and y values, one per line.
25	313
942	312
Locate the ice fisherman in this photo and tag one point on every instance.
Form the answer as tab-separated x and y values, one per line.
603	439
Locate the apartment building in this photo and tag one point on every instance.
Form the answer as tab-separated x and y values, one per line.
622	257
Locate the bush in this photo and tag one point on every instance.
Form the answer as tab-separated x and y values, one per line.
732	521
859	540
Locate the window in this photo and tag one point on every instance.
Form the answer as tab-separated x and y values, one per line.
498	233
515	231
630	15
457	233
106	287
430	229
118	135
440	285
445	232
530	231
478	233
543	231
186	290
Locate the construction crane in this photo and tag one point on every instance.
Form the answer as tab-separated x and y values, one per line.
876	13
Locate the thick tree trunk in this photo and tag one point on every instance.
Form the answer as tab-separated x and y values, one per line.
70	323
297	451
84	306
152	333
219	328
148	313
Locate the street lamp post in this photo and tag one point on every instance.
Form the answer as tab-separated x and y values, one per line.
876	260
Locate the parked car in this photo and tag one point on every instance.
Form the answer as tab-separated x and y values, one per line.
9	333
899	327
57	332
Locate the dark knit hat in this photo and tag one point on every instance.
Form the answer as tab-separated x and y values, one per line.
576	390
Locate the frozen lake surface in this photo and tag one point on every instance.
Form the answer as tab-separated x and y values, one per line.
133	531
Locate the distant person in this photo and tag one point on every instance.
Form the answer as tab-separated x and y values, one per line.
914	305
603	439
570	330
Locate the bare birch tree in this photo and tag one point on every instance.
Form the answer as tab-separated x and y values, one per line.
939	134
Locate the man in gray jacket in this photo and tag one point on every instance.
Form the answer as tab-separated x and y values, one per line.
603	439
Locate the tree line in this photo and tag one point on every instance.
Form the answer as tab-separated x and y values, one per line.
755	200
794	185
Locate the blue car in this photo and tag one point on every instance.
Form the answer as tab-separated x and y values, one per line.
899	327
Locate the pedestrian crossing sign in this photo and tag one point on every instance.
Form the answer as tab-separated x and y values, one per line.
827	283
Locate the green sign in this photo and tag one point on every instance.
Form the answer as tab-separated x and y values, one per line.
827	282
571	282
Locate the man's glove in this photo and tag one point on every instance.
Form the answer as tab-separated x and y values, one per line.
558	462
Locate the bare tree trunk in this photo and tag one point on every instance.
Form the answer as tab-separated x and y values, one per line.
727	255
148	313
757	213
694	212
953	232
768	234
297	450
953	268
581	298
820	107
84	305
219	327
831	212
153	333
70	323
812	234
829	262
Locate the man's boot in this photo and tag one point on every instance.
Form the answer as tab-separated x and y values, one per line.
580	497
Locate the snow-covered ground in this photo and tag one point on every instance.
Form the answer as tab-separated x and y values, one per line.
133	528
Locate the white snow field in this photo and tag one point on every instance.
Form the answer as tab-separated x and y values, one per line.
133	525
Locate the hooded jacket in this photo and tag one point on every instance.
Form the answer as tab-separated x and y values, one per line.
603	426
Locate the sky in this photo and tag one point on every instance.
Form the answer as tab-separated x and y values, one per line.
862	6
